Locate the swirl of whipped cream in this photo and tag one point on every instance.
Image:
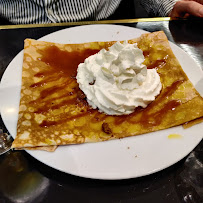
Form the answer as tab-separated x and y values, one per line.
116	81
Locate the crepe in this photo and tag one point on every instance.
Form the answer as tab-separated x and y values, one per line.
53	110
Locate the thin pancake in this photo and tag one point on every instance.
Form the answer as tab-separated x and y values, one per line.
53	110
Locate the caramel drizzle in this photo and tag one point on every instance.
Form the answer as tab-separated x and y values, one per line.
62	65
62	70
145	119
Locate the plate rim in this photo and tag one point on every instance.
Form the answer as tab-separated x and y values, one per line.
150	172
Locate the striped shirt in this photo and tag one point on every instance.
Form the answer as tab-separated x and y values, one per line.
54	11
158	7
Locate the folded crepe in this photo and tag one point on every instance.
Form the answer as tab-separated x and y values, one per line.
53	110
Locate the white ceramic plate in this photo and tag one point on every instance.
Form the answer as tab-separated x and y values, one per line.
117	159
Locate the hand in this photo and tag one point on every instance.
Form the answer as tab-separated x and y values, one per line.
186	8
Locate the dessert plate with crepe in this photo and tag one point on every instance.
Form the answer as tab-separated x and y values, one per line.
54	111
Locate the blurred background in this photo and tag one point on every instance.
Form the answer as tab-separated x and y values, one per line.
129	9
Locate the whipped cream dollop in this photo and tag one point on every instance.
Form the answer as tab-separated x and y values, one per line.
116	81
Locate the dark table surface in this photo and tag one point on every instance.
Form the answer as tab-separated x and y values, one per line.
24	179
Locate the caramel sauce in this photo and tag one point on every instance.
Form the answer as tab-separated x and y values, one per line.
158	63
146	53
146	117
63	65
49	78
63	119
63	61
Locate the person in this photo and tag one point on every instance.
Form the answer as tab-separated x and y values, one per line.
54	11
187	8
173	8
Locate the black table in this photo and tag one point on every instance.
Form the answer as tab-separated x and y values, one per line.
24	179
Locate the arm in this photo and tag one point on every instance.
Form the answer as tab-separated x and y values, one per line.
173	8
186	8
